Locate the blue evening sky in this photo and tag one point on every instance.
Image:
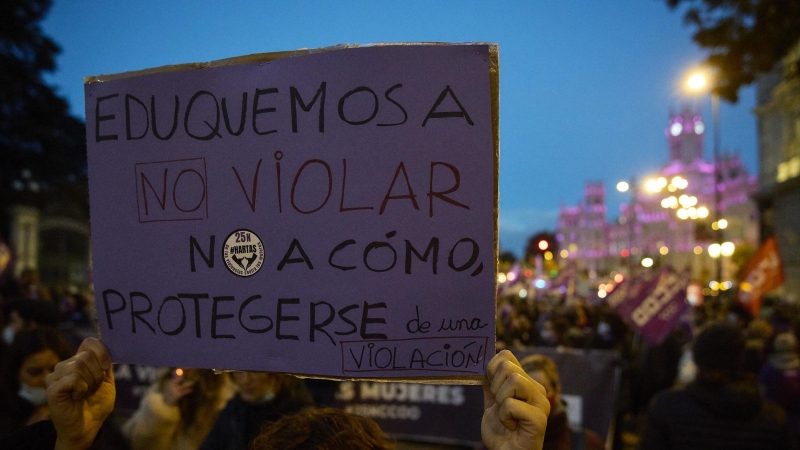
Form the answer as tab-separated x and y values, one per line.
585	86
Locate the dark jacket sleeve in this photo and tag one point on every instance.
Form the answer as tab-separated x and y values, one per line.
42	436
655	435
39	436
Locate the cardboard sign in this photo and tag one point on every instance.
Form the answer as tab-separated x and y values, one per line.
763	273
328	213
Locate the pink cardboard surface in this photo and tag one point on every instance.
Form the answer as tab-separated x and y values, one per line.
331	214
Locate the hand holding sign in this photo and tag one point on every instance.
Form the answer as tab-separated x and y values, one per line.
516	406
80	394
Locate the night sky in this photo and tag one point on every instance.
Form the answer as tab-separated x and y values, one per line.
585	86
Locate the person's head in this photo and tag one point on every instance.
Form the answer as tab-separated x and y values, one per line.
321	429
718	352
261	387
783	352
759	329
32	357
207	386
28	314
544	371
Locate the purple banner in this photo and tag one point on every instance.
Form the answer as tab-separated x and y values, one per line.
315	205
656	311
443	414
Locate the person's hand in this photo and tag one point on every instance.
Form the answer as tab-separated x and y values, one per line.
516	407
80	395
177	388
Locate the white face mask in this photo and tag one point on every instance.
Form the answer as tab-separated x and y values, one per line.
37	396
8	335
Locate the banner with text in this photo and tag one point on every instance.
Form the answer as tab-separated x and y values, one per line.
763	273
657	308
328	213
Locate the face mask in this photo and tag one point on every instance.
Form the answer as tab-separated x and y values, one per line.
266	398
8	335
37	396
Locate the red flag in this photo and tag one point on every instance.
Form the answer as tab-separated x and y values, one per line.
763	273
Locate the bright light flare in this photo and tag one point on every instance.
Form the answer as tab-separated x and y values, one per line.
511	276
623	186
601	294
697	82
501	278
619	278
663	250
727	248
647	262
722	224
714	251
702	212
523	293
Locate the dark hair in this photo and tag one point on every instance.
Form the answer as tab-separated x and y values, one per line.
719	348
199	405
42	312
28	343
322	429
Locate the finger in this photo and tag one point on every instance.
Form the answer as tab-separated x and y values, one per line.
504	370
519	387
91	363
100	351
70	386
515	414
497	360
77	366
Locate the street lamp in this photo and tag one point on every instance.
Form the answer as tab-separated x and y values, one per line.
624	186
700	82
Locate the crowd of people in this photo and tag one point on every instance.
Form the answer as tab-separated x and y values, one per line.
720	379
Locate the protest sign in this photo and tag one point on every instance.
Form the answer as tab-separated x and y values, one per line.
763	273
327	213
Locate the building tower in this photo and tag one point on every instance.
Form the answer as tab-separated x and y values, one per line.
685	136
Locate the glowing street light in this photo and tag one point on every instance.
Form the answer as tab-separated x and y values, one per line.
623	186
697	82
727	248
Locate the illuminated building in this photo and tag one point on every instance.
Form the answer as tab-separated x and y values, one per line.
670	212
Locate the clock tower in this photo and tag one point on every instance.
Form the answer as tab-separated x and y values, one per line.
684	133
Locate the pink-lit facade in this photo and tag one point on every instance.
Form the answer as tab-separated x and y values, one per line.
645	228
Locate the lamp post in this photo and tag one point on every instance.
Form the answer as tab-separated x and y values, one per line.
699	82
625	186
